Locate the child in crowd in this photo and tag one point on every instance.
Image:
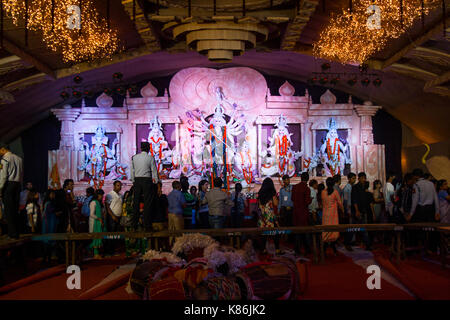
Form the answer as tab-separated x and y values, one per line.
190	203
203	212
33	210
237	211
193	192
285	205
177	203
49	223
314	206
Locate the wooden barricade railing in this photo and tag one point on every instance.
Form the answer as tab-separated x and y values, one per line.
71	239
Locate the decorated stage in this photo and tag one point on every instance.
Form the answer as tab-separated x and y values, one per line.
216	123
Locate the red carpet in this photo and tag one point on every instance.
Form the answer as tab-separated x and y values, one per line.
338	279
55	288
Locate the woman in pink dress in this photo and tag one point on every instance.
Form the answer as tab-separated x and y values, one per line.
330	203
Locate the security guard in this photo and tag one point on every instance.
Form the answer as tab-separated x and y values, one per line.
144	176
11	174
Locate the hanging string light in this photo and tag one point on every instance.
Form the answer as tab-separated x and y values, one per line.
26	23
50	17
1	24
348	38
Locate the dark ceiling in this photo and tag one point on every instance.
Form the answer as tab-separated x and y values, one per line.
414	68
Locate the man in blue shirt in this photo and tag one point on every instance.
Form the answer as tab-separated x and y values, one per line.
285	205
177	203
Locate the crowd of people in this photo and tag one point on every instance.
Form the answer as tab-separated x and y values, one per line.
415	198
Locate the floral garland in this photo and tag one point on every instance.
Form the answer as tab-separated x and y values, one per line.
94	180
306	163
248	174
329	153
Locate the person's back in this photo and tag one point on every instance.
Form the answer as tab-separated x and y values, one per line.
425	206
175	200
301	198
216	199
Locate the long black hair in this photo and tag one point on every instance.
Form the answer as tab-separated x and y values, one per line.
330	185
320	188
267	191
238	189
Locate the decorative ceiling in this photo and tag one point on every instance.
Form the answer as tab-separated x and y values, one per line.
160	37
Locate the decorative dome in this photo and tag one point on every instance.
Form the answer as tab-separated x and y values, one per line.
328	98
286	89
149	90
104	101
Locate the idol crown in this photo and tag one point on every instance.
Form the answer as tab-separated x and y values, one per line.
332	124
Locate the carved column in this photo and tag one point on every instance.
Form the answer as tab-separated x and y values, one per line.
259	133
177	137
67	116
118	152
366	112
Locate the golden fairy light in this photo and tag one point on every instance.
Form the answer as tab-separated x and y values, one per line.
353	37
94	40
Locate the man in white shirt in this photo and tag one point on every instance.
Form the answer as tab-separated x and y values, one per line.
11	174
145	177
113	204
425	203
389	193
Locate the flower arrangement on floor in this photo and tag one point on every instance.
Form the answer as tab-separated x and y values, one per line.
215	272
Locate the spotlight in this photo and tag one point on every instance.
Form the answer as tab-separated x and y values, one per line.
117	76
77	79
120	91
325	66
108	92
323	80
351	82
335	81
76	94
88	93
365	82
64	95
377	82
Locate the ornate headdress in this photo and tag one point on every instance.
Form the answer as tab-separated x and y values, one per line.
155	123
102	130
282	122
332	124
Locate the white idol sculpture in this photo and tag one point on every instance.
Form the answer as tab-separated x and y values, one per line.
100	162
284	157
333	151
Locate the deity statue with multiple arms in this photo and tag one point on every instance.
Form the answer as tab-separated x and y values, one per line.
217	133
334	152
283	157
100	162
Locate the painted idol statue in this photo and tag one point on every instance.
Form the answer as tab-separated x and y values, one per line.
100	161
158	145
334	152
280	149
217	134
